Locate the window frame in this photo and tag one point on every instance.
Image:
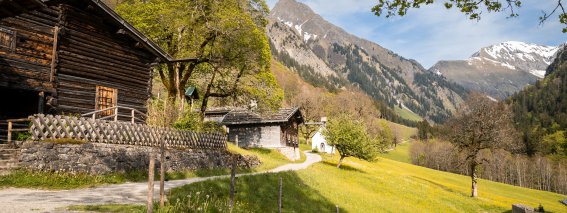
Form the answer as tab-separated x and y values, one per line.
12	35
102	95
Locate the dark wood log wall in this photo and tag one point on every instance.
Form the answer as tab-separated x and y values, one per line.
90	52
28	65
289	133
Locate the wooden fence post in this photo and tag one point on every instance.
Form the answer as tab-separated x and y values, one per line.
151	168
9	132
162	175
133	116
280	197
116	114
236	140
337	207
232	181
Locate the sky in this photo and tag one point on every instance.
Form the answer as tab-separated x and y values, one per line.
432	33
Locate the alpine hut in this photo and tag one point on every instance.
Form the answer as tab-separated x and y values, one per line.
72	57
277	130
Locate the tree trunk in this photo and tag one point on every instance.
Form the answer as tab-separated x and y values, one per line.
340	161
474	192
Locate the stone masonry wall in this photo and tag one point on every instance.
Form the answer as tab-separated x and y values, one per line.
96	158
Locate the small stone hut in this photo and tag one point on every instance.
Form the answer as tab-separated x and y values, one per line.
278	129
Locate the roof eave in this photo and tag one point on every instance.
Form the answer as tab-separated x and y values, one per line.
261	122
137	35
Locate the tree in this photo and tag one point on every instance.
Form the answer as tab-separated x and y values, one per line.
481	125
350	138
555	143
423	130
223	42
472	8
386	135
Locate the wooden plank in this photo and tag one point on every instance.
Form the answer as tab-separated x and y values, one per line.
54	57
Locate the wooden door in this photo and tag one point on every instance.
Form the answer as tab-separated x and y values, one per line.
106	97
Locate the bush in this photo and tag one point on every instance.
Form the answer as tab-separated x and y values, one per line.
192	122
64	141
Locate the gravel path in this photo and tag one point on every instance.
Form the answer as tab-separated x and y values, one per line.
33	200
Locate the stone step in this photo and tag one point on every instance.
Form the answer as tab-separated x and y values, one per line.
9	151
8	166
5	146
8	156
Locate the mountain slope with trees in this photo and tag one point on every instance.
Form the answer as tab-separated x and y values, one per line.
540	111
327	56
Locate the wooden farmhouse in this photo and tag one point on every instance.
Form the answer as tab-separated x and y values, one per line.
72	57
270	130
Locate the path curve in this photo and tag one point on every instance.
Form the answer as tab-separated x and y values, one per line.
34	200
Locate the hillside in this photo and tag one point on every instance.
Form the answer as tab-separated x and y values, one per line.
499	70
541	110
381	186
298	92
327	56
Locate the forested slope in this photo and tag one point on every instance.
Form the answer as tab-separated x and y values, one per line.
540	111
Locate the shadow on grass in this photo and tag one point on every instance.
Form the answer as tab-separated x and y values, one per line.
440	186
257	193
260	150
344	167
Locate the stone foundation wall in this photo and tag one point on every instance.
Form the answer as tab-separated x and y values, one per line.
95	158
290	152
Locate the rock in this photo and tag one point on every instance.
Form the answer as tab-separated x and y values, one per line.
520	208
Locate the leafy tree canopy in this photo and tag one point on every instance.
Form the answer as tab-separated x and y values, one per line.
350	138
472	8
226	38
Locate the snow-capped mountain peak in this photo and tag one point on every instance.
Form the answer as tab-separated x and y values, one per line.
518	51
532	58
500	69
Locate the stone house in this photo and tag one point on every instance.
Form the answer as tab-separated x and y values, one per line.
275	130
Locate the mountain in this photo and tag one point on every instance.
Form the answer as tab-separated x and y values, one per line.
499	70
540	111
327	56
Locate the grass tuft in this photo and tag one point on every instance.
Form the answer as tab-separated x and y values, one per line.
112	208
64	141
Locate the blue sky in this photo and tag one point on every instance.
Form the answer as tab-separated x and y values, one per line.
433	33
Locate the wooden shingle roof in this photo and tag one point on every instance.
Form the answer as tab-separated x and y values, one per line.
242	116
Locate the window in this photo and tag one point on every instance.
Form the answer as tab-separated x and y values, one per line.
106	97
7	38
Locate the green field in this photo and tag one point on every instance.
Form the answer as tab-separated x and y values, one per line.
404	113
400	153
381	186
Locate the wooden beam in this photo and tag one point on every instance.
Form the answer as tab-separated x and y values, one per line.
121	32
55	56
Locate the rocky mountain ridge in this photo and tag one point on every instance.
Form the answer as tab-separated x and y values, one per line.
326	55
499	70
